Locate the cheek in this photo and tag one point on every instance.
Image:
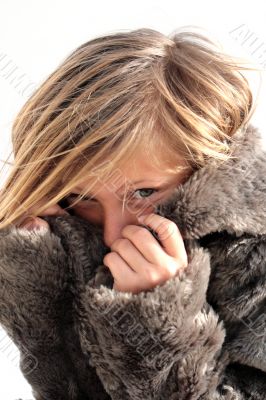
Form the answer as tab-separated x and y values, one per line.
139	208
95	213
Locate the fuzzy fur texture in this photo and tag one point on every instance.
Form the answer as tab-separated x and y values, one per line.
198	337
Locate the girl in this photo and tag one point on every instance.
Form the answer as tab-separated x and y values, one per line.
144	278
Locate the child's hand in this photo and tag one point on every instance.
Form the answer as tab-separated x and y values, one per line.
31	223
138	262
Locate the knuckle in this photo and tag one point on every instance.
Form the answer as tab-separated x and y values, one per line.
126	230
177	264
142	233
180	268
174	267
129	230
120	244
166	272
167	228
32	223
108	258
169	271
152	276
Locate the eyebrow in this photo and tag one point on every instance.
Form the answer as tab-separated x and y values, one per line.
140	181
144	180
157	186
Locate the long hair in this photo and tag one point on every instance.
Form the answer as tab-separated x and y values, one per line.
116	94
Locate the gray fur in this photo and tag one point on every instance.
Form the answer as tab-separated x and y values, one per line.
197	337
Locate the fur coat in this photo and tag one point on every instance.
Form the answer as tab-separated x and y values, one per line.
200	336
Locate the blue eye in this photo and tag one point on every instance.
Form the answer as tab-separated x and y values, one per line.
144	193
148	191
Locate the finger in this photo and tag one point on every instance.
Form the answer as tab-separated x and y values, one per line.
120	270
130	254
145	243
31	223
168	234
21	221
55	209
52	210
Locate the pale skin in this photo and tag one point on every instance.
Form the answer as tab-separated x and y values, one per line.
137	261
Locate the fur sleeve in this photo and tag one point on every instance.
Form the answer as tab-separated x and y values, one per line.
80	339
169	343
161	344
36	313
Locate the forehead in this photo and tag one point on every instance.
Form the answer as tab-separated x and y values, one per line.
141	165
138	170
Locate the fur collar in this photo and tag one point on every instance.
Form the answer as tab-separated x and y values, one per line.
230	197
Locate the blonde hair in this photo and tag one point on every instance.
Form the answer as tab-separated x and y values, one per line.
114	95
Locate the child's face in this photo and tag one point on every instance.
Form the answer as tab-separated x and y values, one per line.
104	206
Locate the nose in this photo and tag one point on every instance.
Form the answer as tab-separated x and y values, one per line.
113	226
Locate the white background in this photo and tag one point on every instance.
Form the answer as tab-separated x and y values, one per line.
36	36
